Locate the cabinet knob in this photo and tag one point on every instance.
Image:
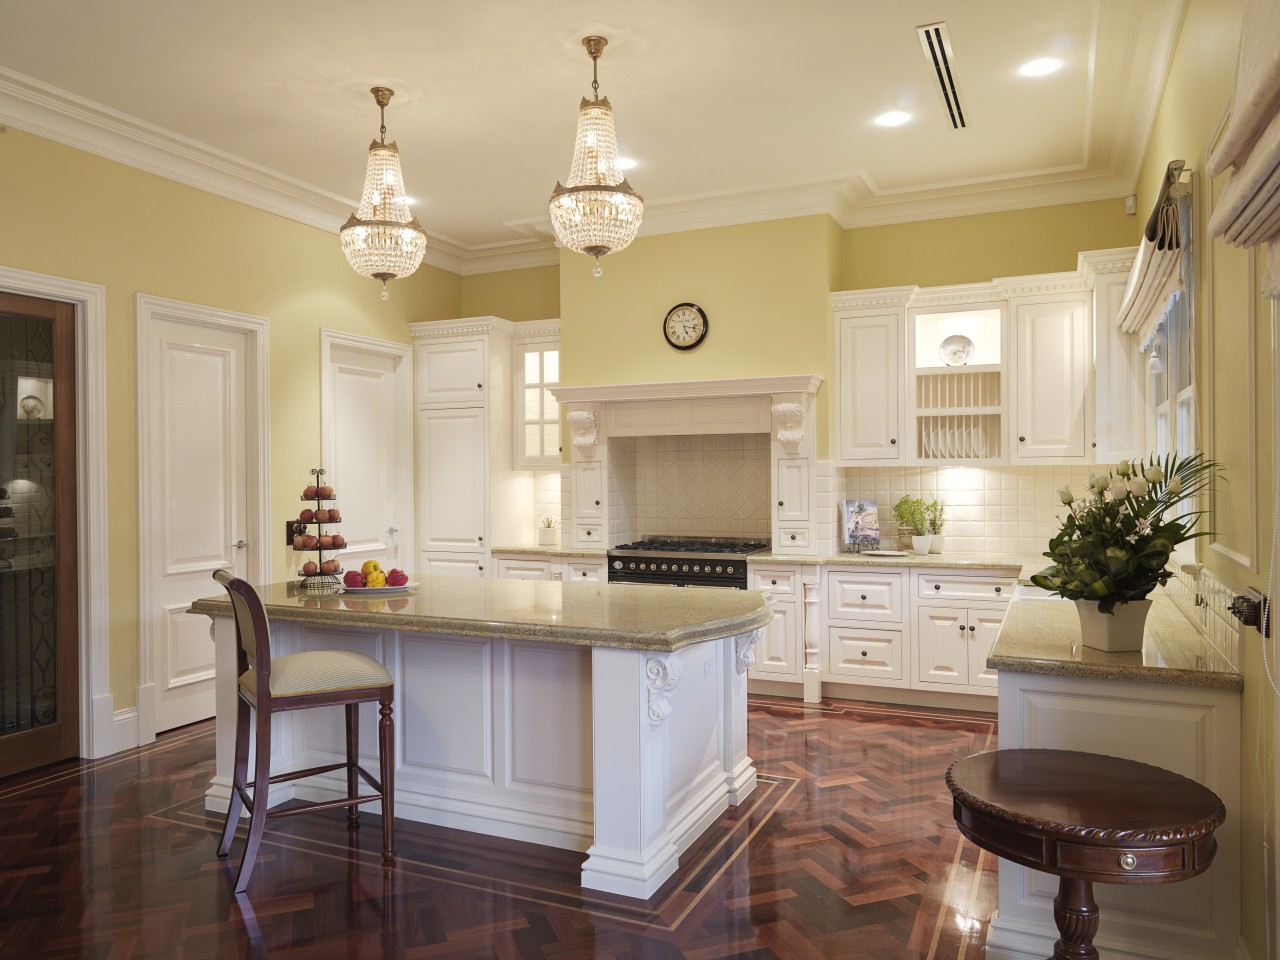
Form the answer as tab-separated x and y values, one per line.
893	441
479	539
793	536
479	386
972	628
1022	439
997	589
1094	444
597	503
584	573
864	653
937	586
1128	861
588	533
864	596
962	628
774	582
480	567
779	503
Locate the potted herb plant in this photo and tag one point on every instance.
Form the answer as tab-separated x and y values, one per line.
547	532
933	515
913	522
1114	546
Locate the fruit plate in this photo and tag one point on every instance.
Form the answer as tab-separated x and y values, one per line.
377	591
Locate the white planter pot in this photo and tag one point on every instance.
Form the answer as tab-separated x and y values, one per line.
920	545
936	542
548	536
1117	632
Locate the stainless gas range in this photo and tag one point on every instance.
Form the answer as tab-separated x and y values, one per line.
684	561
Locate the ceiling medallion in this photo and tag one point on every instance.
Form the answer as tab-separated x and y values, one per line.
595	212
382	239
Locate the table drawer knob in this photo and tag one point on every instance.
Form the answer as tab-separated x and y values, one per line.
1128	861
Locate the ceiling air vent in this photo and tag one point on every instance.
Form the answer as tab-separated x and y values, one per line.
936	43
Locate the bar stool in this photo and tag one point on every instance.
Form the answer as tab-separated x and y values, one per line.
319	678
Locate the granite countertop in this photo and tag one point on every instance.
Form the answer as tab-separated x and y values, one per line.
628	616
1043	636
933	561
552	552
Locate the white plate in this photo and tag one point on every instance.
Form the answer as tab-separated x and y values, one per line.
956	350
376	591
884	553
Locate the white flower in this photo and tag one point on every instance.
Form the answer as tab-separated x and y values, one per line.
1139	487
1099	483
1065	495
1153	474
1175	485
1123	468
1118	489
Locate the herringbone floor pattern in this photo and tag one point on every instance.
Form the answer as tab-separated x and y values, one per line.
847	850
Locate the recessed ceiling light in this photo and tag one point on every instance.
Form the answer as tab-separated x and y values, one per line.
894	118
626	163
1039	68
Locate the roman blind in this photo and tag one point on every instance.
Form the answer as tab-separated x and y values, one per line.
1248	212
1156	275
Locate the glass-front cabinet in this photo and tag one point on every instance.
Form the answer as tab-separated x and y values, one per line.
537	414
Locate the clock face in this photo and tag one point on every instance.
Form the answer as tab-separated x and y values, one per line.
685	326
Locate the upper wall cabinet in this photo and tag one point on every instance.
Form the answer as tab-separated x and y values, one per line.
536	414
1018	370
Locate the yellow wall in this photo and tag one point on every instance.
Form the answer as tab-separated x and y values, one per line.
530	294
983	247
1229	309
74	215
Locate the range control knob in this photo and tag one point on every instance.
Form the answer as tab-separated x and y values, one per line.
685	568
728	569
632	565
664	566
617	564
696	568
719	569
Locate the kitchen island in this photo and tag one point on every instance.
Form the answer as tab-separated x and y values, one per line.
587	716
1176	704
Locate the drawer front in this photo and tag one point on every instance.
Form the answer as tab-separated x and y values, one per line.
864	596
584	571
775	582
524	569
865	656
589	533
943	587
1118	862
791	537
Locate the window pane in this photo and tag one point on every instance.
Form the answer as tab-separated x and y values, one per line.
532	410
532	448
550	409
531	374
551	366
551	438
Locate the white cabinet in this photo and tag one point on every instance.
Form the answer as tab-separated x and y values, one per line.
866	637
451	464
588	490
858	654
523	566
1054	380
952	644
869	366
535	411
578	570
467	494
791	486
780	652
450	371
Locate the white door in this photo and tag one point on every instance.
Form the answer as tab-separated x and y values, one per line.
1054	367
942	646
452	444
198	448
869	375
367	446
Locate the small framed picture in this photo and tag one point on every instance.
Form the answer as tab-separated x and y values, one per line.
861	525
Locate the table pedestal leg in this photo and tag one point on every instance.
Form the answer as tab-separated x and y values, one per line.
1076	914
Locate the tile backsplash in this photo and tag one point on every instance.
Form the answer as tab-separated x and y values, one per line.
1006	509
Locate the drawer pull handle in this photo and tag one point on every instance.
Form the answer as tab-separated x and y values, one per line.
997	589
774	582
1128	861
937	586
793	536
864	653
864	596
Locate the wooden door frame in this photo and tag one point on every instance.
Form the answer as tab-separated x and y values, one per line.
402	429
98	727
257	467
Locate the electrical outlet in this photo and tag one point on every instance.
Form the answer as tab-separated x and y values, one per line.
1252	608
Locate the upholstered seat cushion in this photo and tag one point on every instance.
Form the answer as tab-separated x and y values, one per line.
320	671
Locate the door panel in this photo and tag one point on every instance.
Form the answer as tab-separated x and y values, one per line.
942	646
451	467
39	638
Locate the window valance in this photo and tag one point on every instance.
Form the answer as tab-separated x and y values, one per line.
1156	275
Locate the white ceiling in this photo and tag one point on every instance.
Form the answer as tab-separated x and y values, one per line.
736	110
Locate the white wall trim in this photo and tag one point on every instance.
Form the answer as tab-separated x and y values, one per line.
257	466
690	390
97	734
404	478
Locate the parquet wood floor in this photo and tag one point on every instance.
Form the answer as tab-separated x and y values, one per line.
846	851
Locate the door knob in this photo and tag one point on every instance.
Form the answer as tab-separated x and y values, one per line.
239	545
392	531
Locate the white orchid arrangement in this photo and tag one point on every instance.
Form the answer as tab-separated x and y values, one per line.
1115	542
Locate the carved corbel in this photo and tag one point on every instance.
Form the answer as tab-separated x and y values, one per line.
745	649
662	674
582	427
789	422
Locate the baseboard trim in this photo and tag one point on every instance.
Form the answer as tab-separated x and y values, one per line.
124	730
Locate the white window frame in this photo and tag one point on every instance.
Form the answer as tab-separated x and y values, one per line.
535	337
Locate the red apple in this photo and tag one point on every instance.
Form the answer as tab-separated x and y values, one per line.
326	493
312	541
306	516
310	493
310	569
334	515
329	566
300	542
322	515
326	542
339	541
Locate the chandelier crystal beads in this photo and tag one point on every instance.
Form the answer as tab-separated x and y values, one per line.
596	212
382	239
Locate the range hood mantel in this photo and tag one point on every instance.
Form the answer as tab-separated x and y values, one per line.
690	389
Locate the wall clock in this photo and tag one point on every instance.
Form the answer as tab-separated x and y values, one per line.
685	326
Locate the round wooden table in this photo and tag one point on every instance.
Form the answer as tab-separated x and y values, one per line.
1085	818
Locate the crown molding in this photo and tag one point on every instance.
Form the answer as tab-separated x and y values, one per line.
872	297
536	329
461	327
689	389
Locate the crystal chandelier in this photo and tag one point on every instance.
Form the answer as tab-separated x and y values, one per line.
596	212
382	239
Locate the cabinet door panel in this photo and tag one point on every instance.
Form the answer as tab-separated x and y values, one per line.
792	490
450	565
870	371
1053	380
524	569
985	625
943	587
452	372
451	479
585	571
858	655
778	650
588	489
942	646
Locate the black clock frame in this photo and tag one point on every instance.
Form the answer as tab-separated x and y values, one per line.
706	325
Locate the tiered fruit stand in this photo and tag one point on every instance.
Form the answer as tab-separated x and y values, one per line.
323	517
